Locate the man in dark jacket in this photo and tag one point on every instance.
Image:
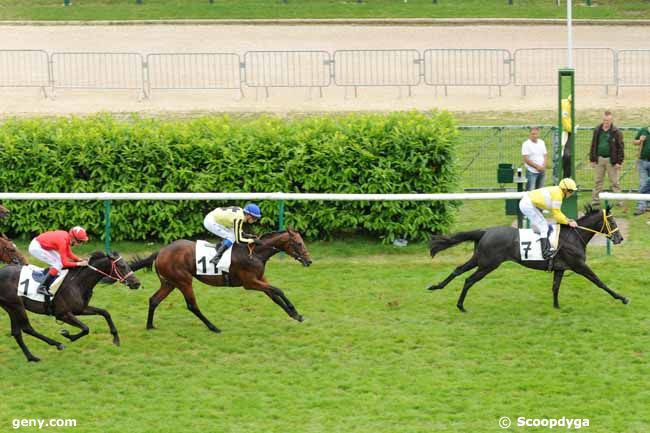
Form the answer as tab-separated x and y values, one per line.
606	156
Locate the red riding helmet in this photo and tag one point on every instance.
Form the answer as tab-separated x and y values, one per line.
79	233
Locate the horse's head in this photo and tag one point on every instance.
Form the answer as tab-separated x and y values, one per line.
4	212
602	221
9	252
113	267
291	243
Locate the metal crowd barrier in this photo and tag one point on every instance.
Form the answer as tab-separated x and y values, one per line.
310	69
539	66
105	71
467	67
194	71
363	68
403	68
24	68
633	68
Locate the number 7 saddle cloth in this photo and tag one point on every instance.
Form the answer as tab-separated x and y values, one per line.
529	246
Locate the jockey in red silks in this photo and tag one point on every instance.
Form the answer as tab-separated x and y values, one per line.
53	248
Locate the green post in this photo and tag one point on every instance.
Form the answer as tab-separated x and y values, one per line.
567	159
107	226
281	215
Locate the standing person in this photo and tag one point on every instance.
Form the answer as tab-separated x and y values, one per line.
53	248
228	222
642	139
550	198
606	155
535	158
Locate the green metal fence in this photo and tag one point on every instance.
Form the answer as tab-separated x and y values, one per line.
482	148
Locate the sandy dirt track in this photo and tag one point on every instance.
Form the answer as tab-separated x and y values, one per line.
239	39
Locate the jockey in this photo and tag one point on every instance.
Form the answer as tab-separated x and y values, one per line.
227	223
549	198
53	248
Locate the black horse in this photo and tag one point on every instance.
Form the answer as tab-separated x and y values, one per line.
499	244
71	299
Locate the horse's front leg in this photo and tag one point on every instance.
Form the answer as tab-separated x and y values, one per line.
94	311
276	296
583	269
70	319
557	279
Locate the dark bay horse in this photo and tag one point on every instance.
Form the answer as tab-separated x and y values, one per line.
499	244
9	252
176	267
70	300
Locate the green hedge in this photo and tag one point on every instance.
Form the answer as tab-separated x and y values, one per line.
396	153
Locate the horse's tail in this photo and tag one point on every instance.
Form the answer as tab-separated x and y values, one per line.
139	262
440	242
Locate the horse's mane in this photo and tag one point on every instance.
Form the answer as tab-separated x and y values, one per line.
589	210
268	235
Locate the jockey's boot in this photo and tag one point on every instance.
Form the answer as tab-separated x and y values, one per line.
44	288
223	246
547	251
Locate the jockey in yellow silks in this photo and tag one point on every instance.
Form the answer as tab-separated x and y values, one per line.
228	222
548	198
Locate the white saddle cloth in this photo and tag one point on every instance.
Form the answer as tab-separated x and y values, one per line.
27	285
529	246
205	251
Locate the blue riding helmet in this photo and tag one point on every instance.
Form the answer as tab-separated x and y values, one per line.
253	209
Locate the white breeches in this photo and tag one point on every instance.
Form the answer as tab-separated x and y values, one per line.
534	215
50	257
215	228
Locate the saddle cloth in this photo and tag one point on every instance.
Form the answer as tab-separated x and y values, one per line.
529	246
205	251
31	277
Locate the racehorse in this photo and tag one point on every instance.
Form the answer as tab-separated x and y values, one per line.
499	244
175	265
70	300
9	252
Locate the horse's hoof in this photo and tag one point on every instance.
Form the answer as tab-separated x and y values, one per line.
214	329
433	287
150	327
116	342
33	359
556	306
625	300
65	333
462	309
60	346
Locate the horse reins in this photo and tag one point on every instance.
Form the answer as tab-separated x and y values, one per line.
605	225
114	269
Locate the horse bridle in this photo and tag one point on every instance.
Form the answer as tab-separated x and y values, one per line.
114	269
9	252
606	225
292	242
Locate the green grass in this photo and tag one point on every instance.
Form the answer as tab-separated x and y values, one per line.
273	9
378	353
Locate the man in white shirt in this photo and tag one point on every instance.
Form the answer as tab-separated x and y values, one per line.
534	155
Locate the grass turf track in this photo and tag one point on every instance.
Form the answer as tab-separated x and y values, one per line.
378	353
277	9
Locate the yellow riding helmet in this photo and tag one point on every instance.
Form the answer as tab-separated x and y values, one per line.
568	184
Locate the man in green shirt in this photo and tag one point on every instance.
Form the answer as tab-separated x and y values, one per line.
642	139
606	156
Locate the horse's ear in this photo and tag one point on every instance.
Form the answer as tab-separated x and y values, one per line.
114	255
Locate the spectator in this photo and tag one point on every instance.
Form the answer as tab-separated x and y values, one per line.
606	155
643	139
533	151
